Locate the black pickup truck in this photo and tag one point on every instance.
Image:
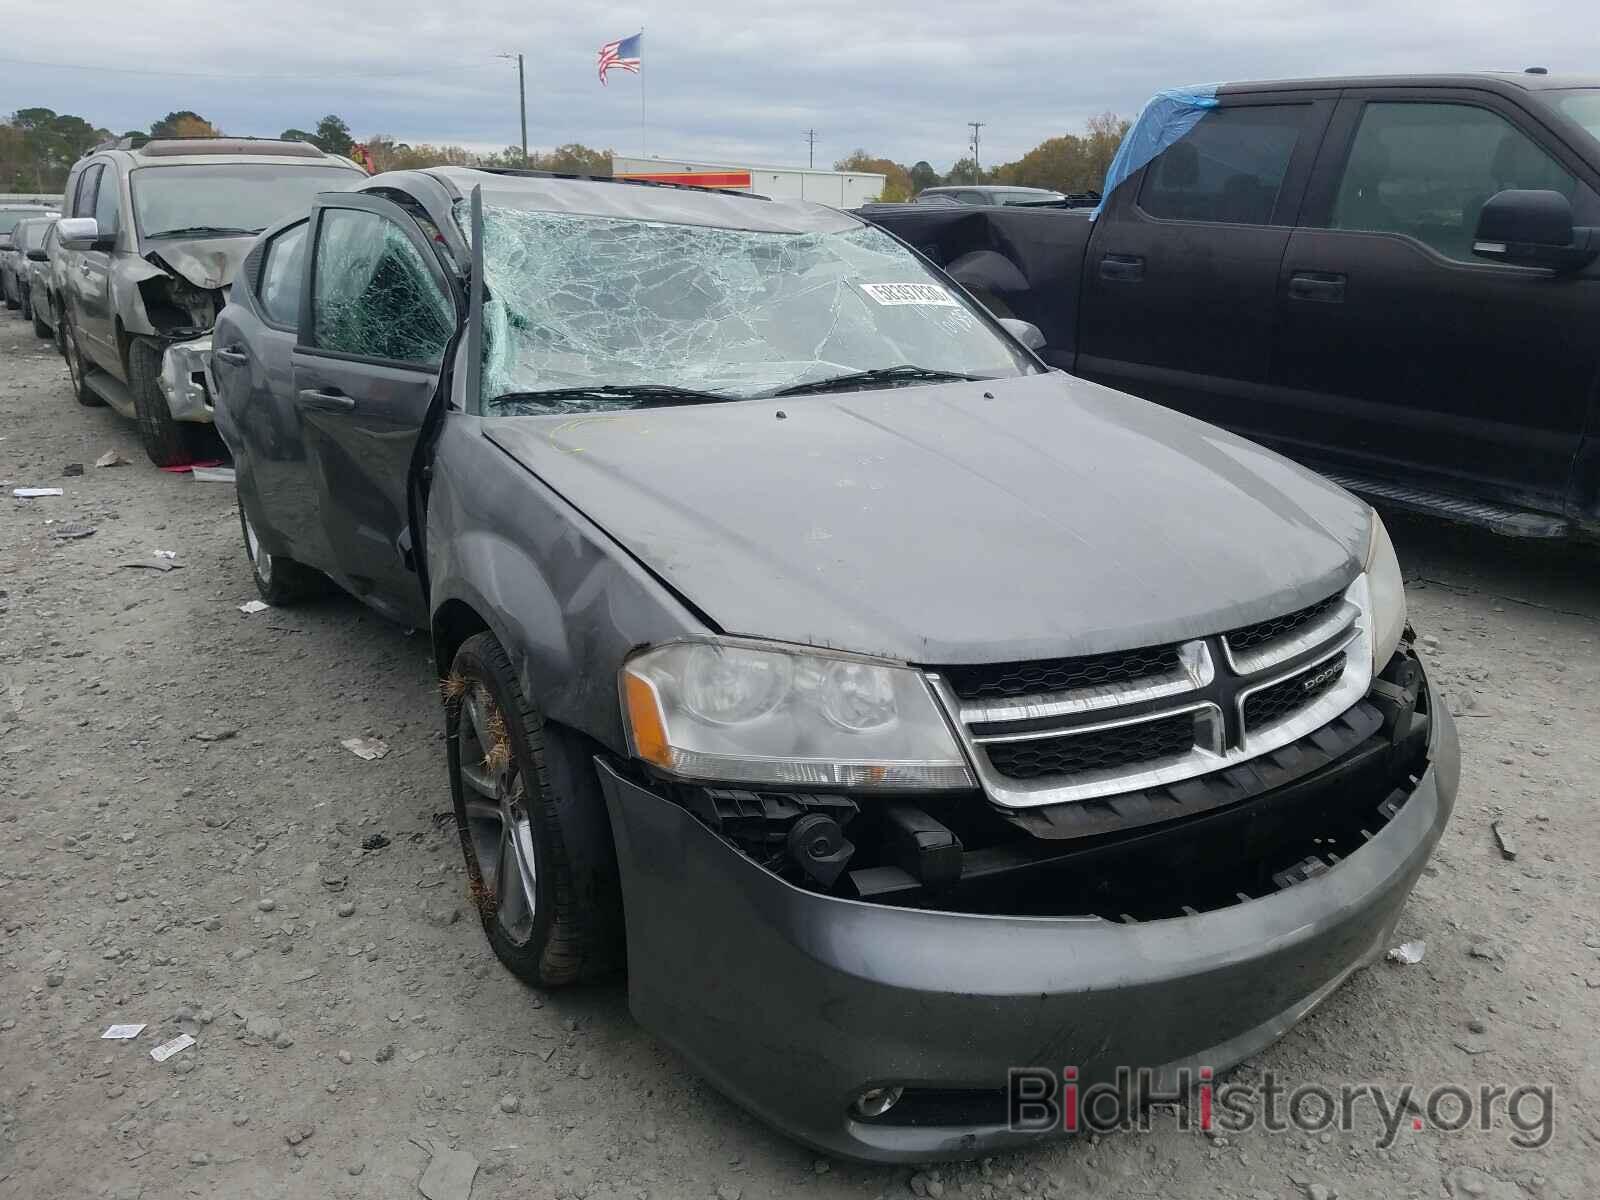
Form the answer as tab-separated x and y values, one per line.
1391	279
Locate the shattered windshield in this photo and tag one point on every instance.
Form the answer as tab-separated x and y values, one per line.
227	199
584	302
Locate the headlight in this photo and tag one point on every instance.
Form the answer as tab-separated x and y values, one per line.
741	712
1388	595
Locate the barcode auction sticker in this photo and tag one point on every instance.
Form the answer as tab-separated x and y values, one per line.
910	293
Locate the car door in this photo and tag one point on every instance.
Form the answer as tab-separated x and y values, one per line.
258	413
1400	355
95	310
377	315
1181	272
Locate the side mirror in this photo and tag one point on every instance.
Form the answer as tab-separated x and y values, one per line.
1533	229
1025	332
38	256
82	233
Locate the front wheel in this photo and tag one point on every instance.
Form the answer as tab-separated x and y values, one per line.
77	366
169	443
533	826
281	581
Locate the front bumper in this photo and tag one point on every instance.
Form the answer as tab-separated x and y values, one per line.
793	1002
186	381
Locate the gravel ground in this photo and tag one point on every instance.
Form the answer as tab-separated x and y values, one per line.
182	845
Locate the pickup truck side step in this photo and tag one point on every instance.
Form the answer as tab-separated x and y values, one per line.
111	390
1508	522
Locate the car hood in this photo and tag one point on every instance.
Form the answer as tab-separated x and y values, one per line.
966	522
208	263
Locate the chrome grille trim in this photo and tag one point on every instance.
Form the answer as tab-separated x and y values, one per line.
1197	671
1347	629
1293	645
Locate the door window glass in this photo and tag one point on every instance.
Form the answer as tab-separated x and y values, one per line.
83	202
281	276
373	294
1425	170
105	203
1228	168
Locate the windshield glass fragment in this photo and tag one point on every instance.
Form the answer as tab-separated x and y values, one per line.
231	198
576	301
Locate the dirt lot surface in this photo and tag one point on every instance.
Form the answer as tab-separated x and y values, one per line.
181	845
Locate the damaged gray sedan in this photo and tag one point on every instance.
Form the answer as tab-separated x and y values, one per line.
899	713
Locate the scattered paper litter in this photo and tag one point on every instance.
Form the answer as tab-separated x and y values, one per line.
153	564
166	554
167	1049
72	533
1502	837
253	606
35	493
449	1173
111	458
121	1033
1408	953
212	474
367	748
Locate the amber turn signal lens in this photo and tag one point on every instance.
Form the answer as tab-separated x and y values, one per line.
645	721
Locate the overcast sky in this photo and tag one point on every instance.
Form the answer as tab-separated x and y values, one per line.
728	80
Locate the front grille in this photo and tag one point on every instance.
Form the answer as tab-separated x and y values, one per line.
1272	704
1262	632
1104	749
1003	680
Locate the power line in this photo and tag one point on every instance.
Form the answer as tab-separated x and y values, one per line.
407	73
977	170
811	153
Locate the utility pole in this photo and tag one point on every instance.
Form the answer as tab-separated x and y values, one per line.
977	170
522	99
811	139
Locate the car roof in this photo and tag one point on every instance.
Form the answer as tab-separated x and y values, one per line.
628	200
162	152
1493	80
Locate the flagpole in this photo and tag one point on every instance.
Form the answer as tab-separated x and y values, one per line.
644	146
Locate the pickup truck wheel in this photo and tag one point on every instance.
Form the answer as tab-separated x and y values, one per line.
533	826
280	581
77	368
40	329
27	306
169	443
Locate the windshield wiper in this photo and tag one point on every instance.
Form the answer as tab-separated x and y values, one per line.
856	379
203	231
665	392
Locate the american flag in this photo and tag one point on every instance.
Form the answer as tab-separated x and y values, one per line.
622	54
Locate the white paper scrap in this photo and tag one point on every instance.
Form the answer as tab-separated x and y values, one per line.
35	493
121	1033
167	1049
253	606
367	748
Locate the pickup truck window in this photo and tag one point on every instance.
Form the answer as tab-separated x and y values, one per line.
1578	104
1228	168
1425	171
281	276
83	201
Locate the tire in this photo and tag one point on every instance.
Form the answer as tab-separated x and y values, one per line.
169	443
40	329
564	924
27	306
280	581
77	367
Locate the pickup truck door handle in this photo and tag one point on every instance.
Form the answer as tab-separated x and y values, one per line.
1317	285
1124	268
326	401
232	354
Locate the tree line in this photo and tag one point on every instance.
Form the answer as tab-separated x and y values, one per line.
39	146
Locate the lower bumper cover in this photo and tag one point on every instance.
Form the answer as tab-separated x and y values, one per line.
186	380
793	1003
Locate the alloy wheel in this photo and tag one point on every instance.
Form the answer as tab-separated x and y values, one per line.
497	814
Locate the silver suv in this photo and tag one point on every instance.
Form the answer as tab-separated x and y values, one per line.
153	233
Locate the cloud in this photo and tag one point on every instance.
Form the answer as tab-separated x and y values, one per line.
737	80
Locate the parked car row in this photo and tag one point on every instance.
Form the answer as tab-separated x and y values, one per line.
897	709
24	256
129	278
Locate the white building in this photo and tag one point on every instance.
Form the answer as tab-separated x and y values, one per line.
842	189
